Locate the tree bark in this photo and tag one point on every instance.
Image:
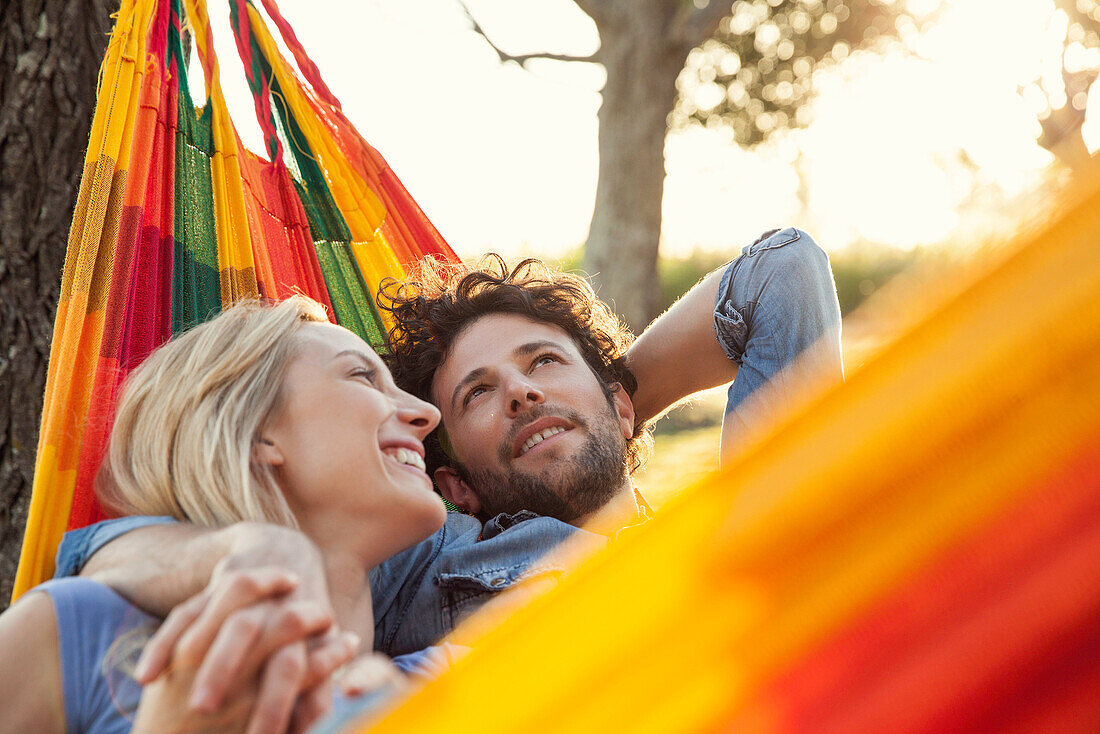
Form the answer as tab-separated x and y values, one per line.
50	51
642	64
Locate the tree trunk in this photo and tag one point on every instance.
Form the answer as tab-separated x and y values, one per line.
50	51
621	252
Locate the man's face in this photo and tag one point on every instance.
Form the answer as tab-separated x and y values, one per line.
530	424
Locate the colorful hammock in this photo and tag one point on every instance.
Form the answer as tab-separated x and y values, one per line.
916	551
176	219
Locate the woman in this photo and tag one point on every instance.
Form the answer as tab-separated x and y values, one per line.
265	413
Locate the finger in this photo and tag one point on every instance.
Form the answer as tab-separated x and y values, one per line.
279	688
370	673
237	636
158	651
267	627
240	589
313	705
327	656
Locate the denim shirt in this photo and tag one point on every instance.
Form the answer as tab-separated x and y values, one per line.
419	594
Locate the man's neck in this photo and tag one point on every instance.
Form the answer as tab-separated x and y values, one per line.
620	511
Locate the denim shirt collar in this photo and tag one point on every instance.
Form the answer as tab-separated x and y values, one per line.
504	520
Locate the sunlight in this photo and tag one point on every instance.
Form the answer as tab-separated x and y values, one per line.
505	158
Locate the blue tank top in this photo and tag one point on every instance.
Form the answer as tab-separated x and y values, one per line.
98	633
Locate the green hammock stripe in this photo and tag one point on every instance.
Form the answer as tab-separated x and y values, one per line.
196	287
343	304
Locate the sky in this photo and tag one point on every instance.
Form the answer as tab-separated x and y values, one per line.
503	158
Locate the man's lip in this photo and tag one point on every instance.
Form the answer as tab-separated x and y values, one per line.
537	427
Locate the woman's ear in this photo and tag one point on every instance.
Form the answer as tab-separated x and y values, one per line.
456	491
266	452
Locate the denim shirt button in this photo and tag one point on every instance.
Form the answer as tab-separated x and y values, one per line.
498	581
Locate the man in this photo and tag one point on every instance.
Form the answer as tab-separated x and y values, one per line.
544	403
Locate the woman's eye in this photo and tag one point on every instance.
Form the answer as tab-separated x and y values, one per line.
367	374
545	359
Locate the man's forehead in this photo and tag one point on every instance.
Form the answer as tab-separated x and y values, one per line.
491	341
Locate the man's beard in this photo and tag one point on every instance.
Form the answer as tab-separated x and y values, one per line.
576	486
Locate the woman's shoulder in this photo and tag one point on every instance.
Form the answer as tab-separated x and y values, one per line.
98	636
30	674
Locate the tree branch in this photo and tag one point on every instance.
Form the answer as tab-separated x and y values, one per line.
693	25
521	59
600	11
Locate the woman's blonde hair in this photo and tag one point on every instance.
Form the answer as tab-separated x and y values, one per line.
189	416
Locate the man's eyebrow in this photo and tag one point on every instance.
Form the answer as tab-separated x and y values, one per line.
531	347
521	351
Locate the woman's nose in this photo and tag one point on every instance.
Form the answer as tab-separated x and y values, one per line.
420	414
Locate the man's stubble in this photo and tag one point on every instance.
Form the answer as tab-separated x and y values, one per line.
573	488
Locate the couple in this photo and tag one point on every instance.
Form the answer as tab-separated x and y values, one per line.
543	406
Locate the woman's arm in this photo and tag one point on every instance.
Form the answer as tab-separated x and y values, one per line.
30	669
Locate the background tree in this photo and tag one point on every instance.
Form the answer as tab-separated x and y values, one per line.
748	65
50	51
1062	98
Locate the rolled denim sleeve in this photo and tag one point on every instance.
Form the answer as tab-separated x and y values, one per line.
77	546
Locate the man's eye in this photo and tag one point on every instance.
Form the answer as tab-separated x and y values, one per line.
367	374
474	393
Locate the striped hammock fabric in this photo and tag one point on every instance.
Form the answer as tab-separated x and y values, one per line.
918	550
176	219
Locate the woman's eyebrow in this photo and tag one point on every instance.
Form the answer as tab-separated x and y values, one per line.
361	355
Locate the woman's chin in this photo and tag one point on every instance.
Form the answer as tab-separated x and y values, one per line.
433	514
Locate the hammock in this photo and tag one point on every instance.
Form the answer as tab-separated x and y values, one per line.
176	219
914	550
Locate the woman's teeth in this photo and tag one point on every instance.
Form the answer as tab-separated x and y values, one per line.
406	456
539	438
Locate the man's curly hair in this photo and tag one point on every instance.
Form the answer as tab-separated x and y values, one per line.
436	303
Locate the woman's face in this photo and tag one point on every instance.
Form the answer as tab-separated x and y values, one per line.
346	443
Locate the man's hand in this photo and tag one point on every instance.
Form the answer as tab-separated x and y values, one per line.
248	620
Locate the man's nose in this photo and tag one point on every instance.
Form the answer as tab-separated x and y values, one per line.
522	395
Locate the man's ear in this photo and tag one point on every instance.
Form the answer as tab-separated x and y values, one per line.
624	409
267	452
456	491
